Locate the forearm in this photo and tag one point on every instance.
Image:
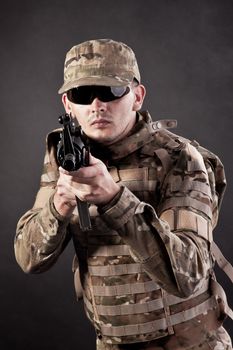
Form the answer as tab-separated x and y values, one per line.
40	237
173	260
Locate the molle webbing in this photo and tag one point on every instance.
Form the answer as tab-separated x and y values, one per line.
187	220
160	324
129	174
186	202
115	270
125	289
152	305
202	187
137	179
114	310
108	250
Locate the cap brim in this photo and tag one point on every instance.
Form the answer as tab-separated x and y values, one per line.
98	80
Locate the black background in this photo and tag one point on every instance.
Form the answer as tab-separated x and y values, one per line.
185	53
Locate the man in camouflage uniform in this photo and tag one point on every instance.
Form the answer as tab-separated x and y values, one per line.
145	269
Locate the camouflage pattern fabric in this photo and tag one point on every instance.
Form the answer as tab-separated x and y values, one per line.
145	266
216	340
94	62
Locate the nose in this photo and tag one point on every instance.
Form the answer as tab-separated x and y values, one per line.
98	106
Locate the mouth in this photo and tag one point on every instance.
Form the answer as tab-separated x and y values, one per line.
99	123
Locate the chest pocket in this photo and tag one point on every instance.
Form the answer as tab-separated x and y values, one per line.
140	181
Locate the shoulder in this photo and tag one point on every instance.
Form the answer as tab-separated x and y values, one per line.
165	146
51	142
168	140
173	150
52	139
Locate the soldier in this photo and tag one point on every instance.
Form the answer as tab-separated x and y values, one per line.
145	269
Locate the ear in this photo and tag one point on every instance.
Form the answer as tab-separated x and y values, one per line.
66	103
140	93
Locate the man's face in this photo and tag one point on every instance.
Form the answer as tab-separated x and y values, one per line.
108	122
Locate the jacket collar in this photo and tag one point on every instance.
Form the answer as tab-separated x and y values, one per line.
141	134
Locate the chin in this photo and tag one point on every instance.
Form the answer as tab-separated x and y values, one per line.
100	136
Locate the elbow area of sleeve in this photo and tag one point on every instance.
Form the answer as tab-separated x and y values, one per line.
39	238
25	260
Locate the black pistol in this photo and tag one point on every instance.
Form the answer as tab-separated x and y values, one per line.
72	154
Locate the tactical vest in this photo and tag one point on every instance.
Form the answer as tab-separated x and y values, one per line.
120	299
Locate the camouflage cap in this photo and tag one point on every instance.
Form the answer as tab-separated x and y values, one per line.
99	62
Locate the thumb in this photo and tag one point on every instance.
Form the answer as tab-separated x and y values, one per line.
93	160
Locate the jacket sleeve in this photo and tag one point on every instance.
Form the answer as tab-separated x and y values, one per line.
41	233
171	242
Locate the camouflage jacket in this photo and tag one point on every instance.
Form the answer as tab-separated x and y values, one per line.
147	255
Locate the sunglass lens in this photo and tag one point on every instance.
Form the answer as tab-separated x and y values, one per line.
119	91
86	94
80	95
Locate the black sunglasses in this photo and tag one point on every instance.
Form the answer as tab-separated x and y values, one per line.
85	95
